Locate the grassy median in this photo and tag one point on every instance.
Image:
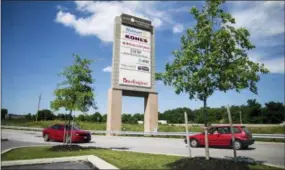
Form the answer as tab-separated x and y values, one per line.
120	159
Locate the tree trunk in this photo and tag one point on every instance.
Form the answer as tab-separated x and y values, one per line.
68	132
69	117
207	153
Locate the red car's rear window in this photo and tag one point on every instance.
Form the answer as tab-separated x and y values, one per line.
248	132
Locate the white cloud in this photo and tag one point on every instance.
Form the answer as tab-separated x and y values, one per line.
107	69
101	14
263	19
265	22
157	22
178	28
274	65
66	19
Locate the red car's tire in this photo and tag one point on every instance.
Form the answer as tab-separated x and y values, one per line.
238	145
194	143
46	137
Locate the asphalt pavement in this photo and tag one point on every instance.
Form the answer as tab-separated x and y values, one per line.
272	153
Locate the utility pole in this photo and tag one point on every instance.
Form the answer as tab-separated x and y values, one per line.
38	106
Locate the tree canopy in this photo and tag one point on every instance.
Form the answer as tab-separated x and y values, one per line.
213	56
75	92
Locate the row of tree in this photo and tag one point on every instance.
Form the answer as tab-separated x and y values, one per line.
252	112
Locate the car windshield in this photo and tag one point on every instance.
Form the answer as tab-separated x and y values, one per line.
72	127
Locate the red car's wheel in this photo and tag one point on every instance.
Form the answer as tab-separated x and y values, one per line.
46	137
194	143
238	145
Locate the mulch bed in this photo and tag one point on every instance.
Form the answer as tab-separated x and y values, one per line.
70	148
200	163
3	139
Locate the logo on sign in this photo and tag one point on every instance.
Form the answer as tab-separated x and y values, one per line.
143	68
135	51
143	61
132	31
131	37
128	66
135	82
135	45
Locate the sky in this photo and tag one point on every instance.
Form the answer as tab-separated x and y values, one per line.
39	38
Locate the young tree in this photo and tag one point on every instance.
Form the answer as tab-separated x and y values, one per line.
96	117
104	118
213	56
75	92
4	112
45	114
274	112
81	117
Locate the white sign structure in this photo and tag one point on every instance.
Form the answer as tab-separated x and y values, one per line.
135	57
133	71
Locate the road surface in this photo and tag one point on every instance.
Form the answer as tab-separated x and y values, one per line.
272	153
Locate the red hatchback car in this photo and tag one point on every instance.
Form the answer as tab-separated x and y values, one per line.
221	136
56	133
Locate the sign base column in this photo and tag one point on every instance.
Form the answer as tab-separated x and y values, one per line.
151	113
114	115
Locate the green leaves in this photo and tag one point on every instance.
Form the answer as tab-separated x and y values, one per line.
212	56
75	92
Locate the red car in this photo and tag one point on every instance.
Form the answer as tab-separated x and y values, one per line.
56	133
221	136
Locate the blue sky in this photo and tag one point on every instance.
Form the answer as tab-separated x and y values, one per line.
38	39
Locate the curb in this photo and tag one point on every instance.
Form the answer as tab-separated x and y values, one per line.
261	142
94	160
274	166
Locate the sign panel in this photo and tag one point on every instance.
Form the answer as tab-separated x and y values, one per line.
135	57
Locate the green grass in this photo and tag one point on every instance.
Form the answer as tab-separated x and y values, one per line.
268	130
120	159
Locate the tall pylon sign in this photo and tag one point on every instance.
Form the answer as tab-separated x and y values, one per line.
133	70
